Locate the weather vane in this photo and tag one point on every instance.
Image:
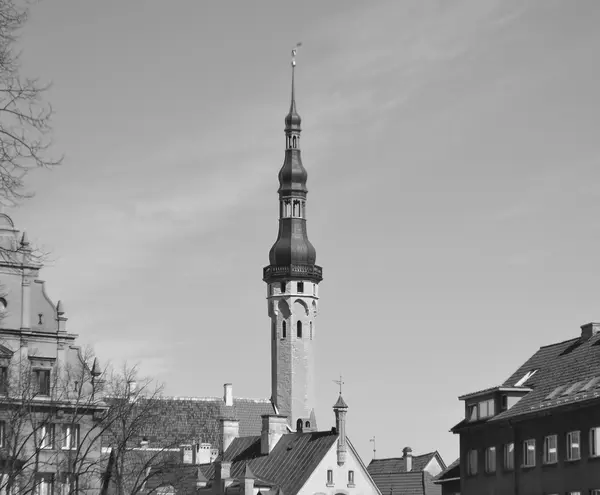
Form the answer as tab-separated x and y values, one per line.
340	383
374	449
294	51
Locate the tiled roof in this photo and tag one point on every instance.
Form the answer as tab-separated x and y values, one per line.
450	473
288	465
562	364
411	483
183	420
394	465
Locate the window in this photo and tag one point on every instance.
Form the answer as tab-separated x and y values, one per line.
351	477
70	436
472	463
299	329
595	442
300	287
282	287
550	452
44	484
490	460
69	483
3	380
472	412
283	330
504	402
311	330
486	408
529	453
299	425
509	456
307	424
573	446
42	381
46	435
595	492
330	476
2	434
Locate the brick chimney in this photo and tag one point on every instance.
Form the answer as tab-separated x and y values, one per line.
589	329
407	456
230	429
274	426
228	394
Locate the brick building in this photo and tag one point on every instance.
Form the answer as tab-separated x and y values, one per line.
539	431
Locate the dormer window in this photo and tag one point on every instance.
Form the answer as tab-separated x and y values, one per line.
472	412
486	408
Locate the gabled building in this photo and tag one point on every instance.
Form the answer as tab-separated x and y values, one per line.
49	394
449	479
539	431
408	474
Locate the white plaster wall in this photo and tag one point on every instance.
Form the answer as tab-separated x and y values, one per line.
317	483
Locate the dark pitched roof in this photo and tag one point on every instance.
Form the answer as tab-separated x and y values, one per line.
395	465
450	473
288	465
572	362
411	483
177	420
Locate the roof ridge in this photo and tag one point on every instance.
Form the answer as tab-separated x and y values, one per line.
559	343
211	399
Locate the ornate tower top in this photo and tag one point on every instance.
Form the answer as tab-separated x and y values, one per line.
292	255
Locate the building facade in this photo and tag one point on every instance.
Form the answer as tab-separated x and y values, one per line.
50	404
539	432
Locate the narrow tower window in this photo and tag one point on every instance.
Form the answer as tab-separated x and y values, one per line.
282	287
296	208
299	425
299	329
283	330
300	287
311	330
294	142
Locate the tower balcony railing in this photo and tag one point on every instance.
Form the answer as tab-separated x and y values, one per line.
312	272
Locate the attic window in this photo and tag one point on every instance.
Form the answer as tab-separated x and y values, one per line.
593	383
572	388
526	377
555	392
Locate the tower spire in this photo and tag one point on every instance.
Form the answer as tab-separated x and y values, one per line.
292	120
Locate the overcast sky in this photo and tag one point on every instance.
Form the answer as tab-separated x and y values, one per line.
453	160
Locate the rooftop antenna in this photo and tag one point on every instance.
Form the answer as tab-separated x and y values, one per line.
374	449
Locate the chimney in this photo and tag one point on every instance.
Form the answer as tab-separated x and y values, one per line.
340	409
204	454
274	426
222	476
407	456
228	394
247	482
187	454
589	329
230	429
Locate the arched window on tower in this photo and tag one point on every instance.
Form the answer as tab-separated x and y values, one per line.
282	287
311	330
296	209
299	329
299	425
283	330
294	142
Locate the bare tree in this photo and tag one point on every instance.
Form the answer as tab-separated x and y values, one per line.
24	116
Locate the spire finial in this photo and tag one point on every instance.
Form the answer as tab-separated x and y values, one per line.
293	99
340	382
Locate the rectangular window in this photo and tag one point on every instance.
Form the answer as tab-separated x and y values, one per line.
2	434
70	437
282	288
300	287
351	477
550	449
573	446
595	492
595	442
42	381
3	380
44	484
330	477
509	456
472	463
529	453
486	408
472	412
68	484
46	435
490	460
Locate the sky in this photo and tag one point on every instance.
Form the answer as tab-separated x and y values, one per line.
452	152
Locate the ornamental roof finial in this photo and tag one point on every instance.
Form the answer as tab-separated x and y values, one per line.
293	119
